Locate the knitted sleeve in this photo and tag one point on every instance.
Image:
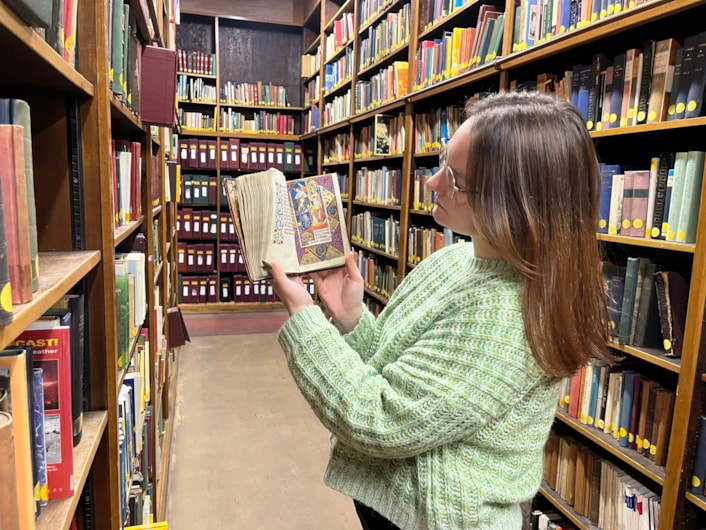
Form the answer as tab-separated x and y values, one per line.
362	337
453	380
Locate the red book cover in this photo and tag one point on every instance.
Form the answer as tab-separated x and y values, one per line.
15	212
52	353
212	161
234	147
225	154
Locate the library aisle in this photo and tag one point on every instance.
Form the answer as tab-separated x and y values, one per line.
247	451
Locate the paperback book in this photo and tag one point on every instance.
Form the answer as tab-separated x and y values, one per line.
297	223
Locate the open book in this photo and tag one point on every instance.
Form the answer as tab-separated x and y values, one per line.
297	223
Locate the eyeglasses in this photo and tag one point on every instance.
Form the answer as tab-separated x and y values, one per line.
448	172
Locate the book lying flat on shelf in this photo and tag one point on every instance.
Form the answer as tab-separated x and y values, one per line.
297	223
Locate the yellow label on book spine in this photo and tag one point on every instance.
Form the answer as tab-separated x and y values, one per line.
691	106
681	107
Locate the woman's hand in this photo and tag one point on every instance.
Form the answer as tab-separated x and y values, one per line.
291	290
341	291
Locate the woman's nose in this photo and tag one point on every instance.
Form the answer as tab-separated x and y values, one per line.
436	182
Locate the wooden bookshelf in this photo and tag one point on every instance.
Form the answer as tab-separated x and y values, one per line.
77	255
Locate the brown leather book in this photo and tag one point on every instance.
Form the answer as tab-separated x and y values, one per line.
16	215
177	334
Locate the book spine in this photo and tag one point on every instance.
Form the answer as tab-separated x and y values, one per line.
9	505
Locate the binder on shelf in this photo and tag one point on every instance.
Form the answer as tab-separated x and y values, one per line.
158	86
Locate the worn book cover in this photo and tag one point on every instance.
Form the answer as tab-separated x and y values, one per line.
52	353
297	223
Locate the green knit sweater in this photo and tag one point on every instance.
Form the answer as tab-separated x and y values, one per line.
438	411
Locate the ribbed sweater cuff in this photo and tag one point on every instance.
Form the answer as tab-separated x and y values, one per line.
301	326
361	336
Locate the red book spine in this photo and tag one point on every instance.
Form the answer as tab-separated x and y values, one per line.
52	353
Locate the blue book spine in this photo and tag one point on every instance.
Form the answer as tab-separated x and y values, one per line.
607	172
626	408
698	475
597	368
40	452
667	200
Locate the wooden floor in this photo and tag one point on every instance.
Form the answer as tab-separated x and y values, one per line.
247	451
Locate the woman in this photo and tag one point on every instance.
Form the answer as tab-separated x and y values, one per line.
440	407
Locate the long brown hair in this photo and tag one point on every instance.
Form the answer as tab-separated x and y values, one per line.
535	187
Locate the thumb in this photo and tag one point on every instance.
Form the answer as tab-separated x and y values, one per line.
275	270
352	268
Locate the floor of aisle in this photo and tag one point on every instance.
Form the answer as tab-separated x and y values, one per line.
247	452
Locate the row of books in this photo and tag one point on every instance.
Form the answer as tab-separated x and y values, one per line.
227	288
262	121
256	94
55	22
200	257
595	488
336	148
311	63
657	81
459	49
197	120
338	109
378	233
430	127
342	33
369	9
423	197
204	225
536	21
423	241
312	119
131	300
661	202
125	53
624	404
379	277
196	62
389	84
195	90
19	264
646	305
311	92
380	186
390	34
338	72
42	399
192	258
236	154
126	170
384	136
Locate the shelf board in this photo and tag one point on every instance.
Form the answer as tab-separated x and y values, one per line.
595	31
334	126
346	6
631	457
337	88
698	500
377	296
651	243
379	206
387	58
382	109
198	132
339	52
375	251
377	158
312	47
121	233
197	102
421	212
121	115
32	61
651	355
58	272
248	106
193	74
156	210
438	24
553	497
471	76
133	352
650	127
382	11
258	136
336	163
231	306
58	513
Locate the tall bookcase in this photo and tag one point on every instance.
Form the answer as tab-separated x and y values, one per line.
227	46
516	63
74	252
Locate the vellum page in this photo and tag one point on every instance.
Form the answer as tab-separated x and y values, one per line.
281	241
254	203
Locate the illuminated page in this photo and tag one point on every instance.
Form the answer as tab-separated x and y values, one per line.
320	236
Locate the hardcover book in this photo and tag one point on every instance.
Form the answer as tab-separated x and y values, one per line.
52	353
297	223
